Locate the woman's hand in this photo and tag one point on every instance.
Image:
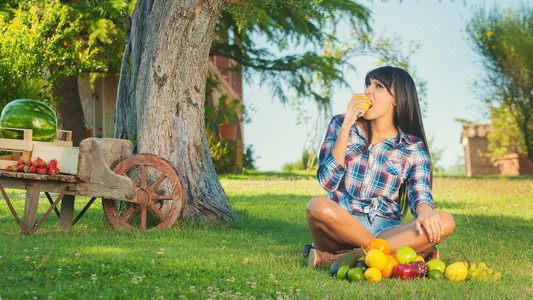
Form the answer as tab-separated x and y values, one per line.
430	220
355	109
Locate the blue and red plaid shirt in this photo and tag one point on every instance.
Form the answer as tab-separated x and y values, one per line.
370	180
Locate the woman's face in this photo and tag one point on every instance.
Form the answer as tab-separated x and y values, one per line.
382	102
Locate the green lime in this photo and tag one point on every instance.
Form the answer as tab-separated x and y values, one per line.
361	264
435	274
355	274
341	273
435	264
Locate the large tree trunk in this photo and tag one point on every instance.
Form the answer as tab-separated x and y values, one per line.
69	110
160	104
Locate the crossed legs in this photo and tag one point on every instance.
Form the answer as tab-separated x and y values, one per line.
334	229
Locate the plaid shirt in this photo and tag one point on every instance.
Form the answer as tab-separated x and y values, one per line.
370	180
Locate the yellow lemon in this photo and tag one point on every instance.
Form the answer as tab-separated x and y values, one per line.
456	271
376	259
372	275
366	105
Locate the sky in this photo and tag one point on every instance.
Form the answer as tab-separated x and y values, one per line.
446	60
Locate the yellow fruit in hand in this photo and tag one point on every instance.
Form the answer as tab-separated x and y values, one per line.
456	271
366	105
376	259
372	275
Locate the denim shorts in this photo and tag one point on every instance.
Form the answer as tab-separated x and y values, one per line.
379	225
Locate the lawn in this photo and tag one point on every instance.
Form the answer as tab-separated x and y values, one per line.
259	255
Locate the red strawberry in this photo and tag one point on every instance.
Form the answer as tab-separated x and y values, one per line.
15	169
42	164
53	171
52	163
8	168
37	161
20	162
33	169
42	171
26	169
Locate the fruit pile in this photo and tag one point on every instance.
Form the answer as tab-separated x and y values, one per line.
405	264
37	166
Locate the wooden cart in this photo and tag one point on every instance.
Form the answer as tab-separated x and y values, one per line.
141	191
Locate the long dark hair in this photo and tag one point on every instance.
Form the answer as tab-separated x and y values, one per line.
406	113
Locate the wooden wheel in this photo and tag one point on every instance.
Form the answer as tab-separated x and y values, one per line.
158	203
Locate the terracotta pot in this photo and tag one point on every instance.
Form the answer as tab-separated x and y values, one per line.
88	133
227	132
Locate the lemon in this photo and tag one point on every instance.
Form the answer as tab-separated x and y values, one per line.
456	271
366	105
372	275
376	259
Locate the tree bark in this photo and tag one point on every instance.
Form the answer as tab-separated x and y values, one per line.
160	103
69	110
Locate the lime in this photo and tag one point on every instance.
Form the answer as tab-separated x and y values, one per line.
435	274
341	273
355	274
436	264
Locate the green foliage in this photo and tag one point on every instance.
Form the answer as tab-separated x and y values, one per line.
103	28
259	254
304	24
308	163
38	46
505	137
504	39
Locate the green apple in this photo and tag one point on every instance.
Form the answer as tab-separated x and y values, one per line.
435	264
405	255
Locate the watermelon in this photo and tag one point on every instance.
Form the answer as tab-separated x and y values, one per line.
29	114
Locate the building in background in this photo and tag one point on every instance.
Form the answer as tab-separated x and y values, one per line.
475	142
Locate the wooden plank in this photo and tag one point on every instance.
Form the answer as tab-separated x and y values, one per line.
67	212
105	191
32	204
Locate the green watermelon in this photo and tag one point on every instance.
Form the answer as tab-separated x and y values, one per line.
29	114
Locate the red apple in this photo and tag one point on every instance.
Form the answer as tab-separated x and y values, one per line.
404	272
420	269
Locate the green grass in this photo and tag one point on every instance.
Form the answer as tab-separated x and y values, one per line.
259	254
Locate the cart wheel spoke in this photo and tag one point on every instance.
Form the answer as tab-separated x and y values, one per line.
127	214
162	197
143	176
143	219
157	211
157	183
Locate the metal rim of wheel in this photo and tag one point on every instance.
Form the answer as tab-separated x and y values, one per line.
147	194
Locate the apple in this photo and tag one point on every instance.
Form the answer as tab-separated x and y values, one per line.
404	272
420	269
405	255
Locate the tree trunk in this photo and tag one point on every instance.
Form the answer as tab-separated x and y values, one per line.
160	104
69	110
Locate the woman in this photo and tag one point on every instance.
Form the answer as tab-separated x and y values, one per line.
374	164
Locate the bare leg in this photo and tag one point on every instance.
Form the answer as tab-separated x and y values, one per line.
406	235
333	228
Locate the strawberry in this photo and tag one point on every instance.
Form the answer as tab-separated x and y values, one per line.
42	171
15	169
52	163
8	168
42	164
26	169
20	162
37	161
33	169
53	171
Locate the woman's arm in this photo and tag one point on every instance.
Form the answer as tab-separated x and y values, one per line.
353	111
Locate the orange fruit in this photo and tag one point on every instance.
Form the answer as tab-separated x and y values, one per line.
372	275
389	267
380	244
375	259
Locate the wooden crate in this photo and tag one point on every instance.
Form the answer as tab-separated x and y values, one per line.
22	149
